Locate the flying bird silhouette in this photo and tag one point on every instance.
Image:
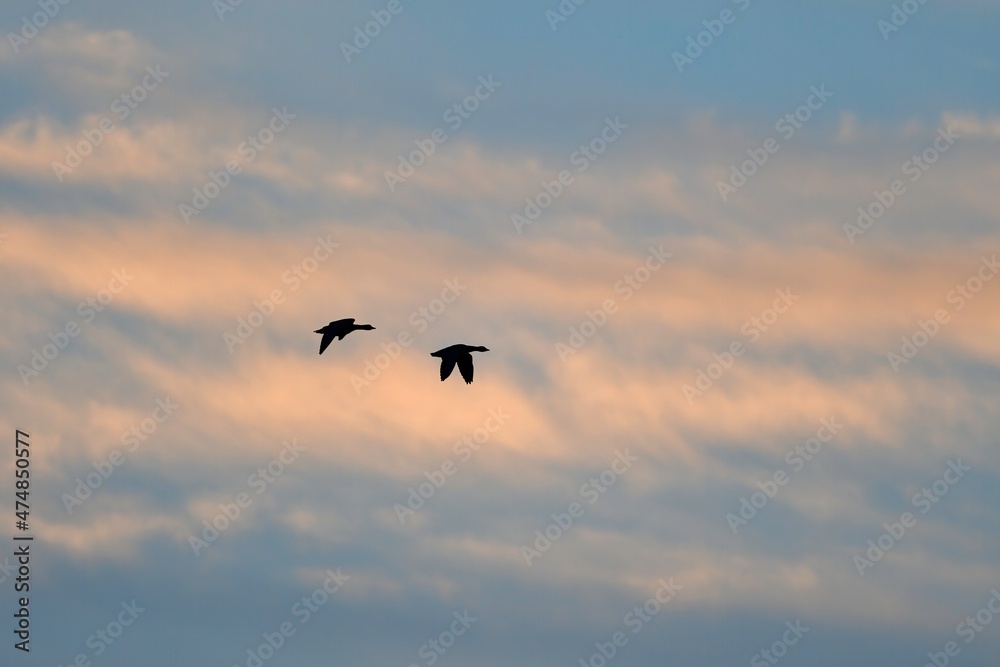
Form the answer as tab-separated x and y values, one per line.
458	354
339	329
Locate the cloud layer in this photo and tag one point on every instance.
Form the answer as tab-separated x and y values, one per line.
195	454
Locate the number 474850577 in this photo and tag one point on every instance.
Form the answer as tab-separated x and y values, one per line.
21	484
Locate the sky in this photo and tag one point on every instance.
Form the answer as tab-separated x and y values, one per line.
735	263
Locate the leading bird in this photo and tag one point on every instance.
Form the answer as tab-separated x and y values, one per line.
458	354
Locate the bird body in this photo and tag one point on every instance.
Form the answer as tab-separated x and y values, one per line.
458	354
338	329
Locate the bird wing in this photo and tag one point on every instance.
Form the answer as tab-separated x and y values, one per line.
328	337
447	366
465	367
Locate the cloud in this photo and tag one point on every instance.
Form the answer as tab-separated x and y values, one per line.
163	336
973	125
312	219
86	66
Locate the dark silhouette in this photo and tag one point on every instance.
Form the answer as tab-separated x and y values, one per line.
458	354
339	329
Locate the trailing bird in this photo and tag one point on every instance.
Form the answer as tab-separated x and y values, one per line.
458	354
339	329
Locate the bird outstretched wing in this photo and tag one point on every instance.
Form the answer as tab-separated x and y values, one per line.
328	337
465	367
447	366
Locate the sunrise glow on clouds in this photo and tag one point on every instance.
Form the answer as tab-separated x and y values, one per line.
728	388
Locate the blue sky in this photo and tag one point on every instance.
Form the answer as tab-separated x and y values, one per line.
611	316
